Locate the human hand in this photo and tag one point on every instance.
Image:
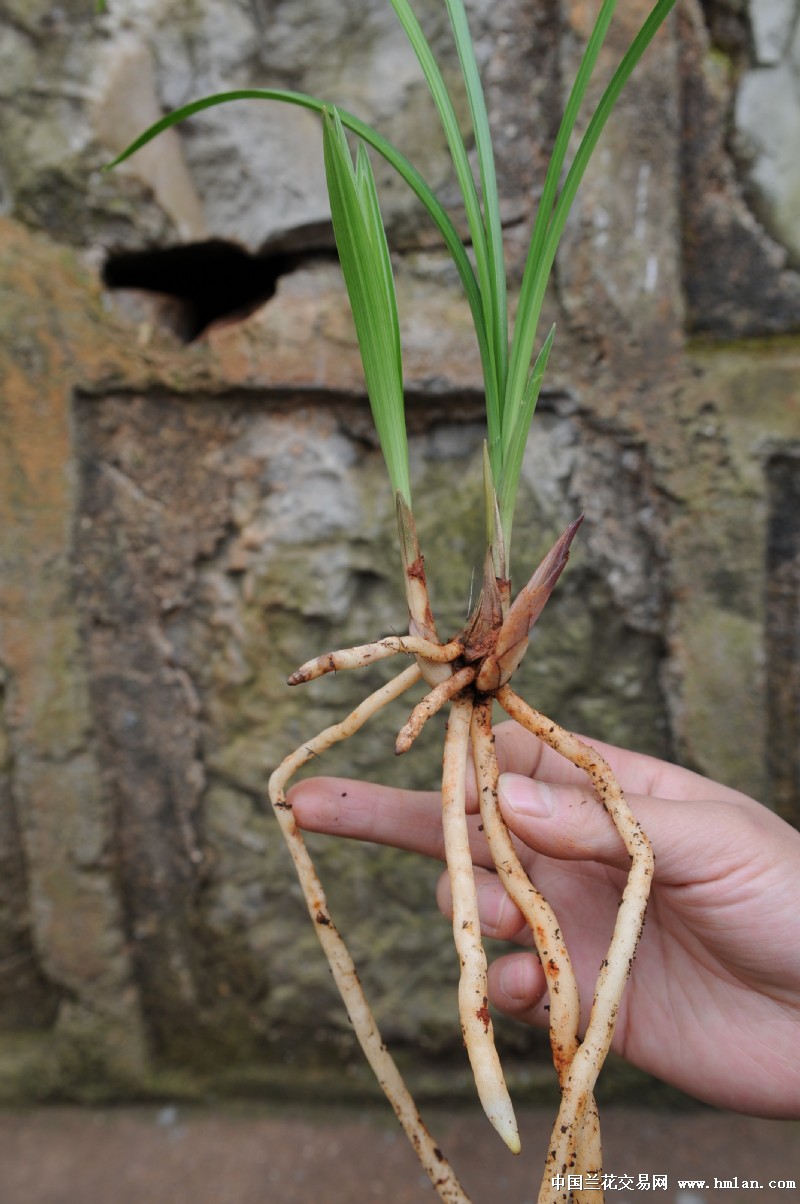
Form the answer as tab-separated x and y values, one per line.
713	1001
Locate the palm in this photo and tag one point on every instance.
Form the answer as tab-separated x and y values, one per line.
699	989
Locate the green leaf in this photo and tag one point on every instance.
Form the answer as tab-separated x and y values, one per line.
527	311
369	200
511	387
597	124
496	272
488	182
550	226
366	267
485	258
391	154
518	425
495	541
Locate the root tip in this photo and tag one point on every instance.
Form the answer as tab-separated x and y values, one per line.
510	1136
405	738
505	1123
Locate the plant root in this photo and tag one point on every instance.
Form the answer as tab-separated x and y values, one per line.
344	972
547	938
575	1147
473	990
430	705
564	1003
577	1089
368	654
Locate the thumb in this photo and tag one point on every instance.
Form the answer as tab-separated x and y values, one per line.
569	823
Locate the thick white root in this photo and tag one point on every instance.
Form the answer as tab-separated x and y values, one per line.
576	1090
547	938
344	972
368	654
473	991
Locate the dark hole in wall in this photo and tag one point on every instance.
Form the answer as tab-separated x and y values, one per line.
783	632
211	281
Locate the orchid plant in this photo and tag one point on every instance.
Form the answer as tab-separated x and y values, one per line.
473	669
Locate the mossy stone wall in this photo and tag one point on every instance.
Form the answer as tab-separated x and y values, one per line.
181	525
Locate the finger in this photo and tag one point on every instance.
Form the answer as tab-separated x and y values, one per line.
518	988
518	751
568	823
499	916
364	811
405	819
517	984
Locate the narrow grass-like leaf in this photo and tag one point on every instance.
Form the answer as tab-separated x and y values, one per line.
466	181
496	279
511	387
495	541
368	196
541	262
518	425
527	319
364	256
362	129
393	156
596	126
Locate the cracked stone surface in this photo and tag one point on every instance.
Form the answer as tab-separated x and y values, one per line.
182	525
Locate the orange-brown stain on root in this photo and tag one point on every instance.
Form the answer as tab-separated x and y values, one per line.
483	1015
562	1061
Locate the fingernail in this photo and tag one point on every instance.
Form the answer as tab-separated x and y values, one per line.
512	979
525	796
492	905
